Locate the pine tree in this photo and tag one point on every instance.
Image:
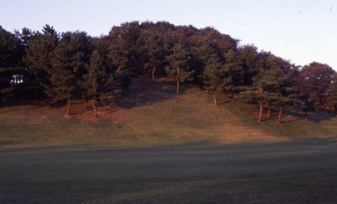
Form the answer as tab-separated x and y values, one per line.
155	52
282	91
314	82
233	73
97	78
38	58
250	60
332	94
10	62
127	50
213	76
271	85
28	87
69	66
179	65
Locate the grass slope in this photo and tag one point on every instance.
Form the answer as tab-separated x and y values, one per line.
150	114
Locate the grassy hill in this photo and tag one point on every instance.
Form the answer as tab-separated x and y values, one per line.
155	147
150	114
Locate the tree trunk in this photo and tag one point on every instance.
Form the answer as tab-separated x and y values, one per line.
260	112
215	102
68	108
306	117
269	111
94	106
178	87
1	99
87	103
232	97
279	118
119	69
178	81
154	73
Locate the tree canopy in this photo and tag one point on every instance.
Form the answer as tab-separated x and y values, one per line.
75	66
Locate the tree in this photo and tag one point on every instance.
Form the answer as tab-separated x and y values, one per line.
283	91
10	61
25	35
314	82
271	85
69	61
179	65
332	94
127	48
38	58
156	52
213	70
234	73
97	79
250	60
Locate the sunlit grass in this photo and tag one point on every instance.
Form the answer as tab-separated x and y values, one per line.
159	117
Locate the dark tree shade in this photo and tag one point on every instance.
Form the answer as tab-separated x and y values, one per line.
214	71
271	84
180	67
127	48
98	78
314	82
39	55
332	94
10	63
69	61
155	52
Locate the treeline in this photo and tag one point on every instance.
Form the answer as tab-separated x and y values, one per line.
63	67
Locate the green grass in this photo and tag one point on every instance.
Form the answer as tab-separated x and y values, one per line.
157	117
286	172
161	148
296	128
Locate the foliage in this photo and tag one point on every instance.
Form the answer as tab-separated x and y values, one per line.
73	65
180	67
332	94
38	58
69	61
10	63
314	82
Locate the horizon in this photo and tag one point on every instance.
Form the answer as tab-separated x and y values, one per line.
301	31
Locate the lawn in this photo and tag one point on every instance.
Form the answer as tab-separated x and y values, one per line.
285	172
155	147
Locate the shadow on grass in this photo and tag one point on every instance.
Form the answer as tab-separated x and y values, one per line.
316	117
145	92
205	145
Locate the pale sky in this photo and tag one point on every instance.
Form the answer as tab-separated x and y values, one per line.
298	30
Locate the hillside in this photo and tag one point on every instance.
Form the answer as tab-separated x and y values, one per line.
150	114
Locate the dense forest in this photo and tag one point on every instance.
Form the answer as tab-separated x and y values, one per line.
63	67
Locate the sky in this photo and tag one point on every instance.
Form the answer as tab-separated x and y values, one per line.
301	31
